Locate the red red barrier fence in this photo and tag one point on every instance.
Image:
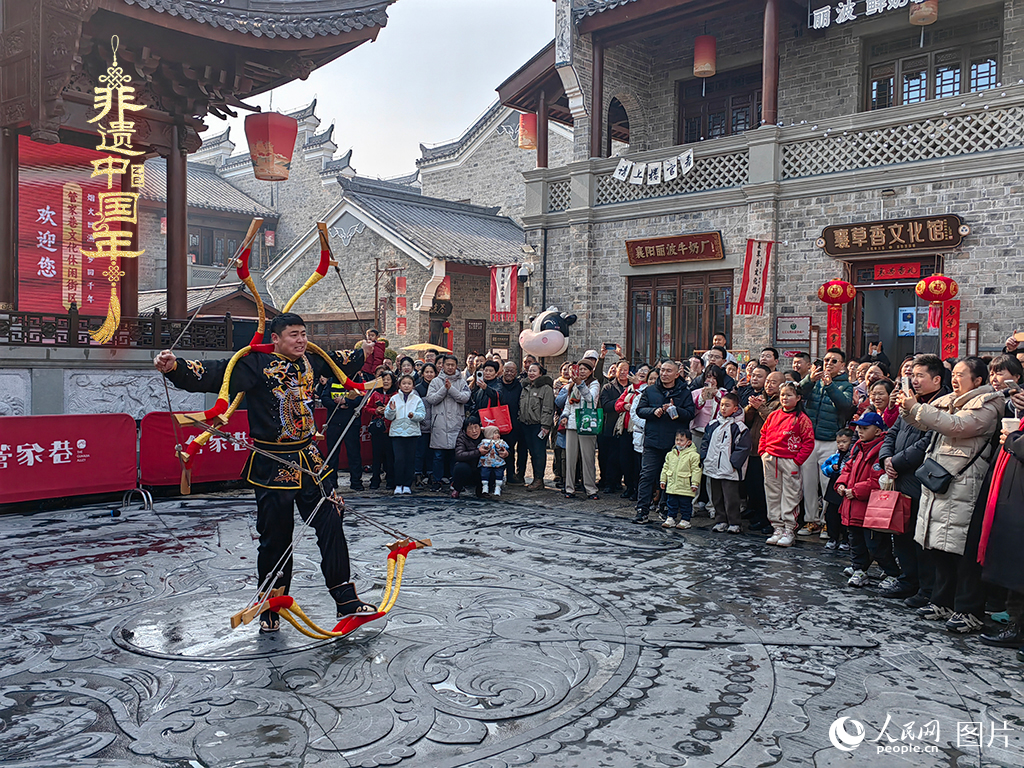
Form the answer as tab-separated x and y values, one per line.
46	457
219	460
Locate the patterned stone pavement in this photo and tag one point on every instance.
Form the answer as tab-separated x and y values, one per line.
532	633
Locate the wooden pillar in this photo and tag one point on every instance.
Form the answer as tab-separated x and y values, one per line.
8	219
770	64
597	99
542	131
130	267
177	230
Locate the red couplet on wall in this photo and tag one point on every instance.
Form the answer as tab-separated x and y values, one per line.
46	457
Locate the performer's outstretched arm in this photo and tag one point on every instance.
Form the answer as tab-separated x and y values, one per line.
204	375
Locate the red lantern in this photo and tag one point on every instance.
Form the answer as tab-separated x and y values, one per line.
446	335
937	289
528	131
705	53
271	138
835	293
924	13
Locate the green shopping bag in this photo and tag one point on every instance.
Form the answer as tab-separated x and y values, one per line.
589	421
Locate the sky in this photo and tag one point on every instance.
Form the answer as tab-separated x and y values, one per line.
429	75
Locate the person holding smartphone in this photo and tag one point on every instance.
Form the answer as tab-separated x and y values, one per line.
485	391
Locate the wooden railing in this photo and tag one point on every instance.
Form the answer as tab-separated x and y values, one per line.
46	329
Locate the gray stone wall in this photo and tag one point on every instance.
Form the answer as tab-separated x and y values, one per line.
988	267
302	200
820	74
356	262
491	174
471	300
152	263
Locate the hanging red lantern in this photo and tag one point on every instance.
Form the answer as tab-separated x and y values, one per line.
924	13
937	289
835	293
705	54
271	138
528	131
446	335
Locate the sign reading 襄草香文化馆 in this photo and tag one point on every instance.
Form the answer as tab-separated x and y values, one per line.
702	246
927	233
115	100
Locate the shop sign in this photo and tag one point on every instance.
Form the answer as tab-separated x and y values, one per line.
790	330
843	11
501	339
927	233
703	246
907	270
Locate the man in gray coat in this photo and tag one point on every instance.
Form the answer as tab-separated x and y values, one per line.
447	396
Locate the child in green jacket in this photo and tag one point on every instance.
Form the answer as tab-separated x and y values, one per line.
680	480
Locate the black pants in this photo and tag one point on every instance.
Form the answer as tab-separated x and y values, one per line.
833	521
537	448
465	475
351	444
725	495
628	462
404	450
912	572
650	476
383	460
958	584
275	521
867	546
757	505
610	447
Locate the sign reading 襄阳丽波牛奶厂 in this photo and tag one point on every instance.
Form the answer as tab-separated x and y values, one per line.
822	15
926	233
702	246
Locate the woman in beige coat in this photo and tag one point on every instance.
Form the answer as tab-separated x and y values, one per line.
962	425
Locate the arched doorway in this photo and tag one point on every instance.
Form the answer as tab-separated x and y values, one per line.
618	126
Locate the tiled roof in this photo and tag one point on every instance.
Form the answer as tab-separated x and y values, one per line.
405	181
215	141
591	7
321	138
205	189
278	18
458	232
307	111
334	167
451	148
195	297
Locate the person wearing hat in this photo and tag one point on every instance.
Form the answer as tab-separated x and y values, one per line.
854	485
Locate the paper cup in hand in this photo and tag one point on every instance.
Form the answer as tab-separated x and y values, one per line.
1010	425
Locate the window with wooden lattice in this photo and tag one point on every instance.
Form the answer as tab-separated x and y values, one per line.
948	59
727	104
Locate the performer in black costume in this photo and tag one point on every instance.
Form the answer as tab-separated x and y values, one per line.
280	393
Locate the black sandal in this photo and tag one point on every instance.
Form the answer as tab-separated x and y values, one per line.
349	603
269	622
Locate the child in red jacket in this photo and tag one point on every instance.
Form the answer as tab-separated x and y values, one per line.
787	440
855	483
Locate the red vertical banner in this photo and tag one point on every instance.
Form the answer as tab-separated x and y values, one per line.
950	329
57	207
400	285
402	326
755	277
834	334
504	299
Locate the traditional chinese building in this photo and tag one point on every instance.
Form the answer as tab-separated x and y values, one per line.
121	82
872	141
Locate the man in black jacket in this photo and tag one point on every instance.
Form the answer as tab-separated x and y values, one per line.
510	389
342	409
657	404
902	453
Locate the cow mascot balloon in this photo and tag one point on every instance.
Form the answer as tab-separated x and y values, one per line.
548	335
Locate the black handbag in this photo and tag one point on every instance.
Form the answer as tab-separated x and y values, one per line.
935	477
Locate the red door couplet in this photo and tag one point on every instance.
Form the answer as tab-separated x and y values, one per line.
46	457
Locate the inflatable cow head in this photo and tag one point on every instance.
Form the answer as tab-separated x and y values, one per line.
548	334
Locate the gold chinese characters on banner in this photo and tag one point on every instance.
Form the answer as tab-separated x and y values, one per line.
114	98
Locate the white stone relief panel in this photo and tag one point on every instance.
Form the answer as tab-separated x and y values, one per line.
15	393
134	393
